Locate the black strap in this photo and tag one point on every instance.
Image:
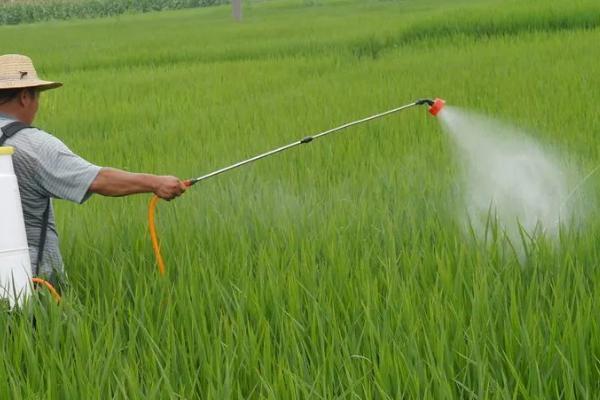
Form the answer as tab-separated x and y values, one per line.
42	241
9	131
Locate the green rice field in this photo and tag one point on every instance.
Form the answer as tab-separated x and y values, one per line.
338	270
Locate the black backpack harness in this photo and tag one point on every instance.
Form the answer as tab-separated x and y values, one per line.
9	131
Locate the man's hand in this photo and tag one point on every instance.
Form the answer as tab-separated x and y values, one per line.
169	187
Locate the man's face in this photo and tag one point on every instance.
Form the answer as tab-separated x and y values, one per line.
29	102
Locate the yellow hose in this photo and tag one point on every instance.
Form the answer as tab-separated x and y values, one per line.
154	235
152	226
53	291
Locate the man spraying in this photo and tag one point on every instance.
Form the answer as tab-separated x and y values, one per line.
47	169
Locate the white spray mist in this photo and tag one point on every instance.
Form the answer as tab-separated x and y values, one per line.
508	177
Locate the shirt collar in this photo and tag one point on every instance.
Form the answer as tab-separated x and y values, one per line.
6	116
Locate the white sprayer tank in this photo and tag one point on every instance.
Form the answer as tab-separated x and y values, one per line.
15	265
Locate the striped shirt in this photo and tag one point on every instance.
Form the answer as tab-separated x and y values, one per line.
45	168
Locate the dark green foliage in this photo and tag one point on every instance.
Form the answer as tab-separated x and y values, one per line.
17	13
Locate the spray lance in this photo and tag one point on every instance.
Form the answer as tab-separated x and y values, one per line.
435	106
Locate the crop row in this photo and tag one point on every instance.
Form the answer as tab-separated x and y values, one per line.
24	12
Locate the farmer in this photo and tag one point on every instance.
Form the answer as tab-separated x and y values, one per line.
46	168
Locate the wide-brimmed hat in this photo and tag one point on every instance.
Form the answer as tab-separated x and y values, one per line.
17	72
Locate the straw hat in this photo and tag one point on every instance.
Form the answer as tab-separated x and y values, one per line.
17	72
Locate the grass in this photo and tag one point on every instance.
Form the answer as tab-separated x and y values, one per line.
338	270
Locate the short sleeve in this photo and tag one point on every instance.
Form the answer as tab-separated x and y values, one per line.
60	172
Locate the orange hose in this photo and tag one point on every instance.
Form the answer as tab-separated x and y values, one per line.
154	235
53	291
152	226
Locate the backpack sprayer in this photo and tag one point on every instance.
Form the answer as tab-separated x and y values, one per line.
15	265
435	106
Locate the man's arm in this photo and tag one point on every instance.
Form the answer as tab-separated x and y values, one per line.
114	182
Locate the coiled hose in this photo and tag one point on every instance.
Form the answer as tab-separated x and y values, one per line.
49	286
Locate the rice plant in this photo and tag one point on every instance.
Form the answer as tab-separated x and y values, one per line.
339	270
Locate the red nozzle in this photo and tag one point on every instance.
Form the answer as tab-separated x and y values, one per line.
437	106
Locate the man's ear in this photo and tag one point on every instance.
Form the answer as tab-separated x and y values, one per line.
24	97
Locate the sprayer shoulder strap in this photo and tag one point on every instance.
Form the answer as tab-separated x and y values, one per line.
9	131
